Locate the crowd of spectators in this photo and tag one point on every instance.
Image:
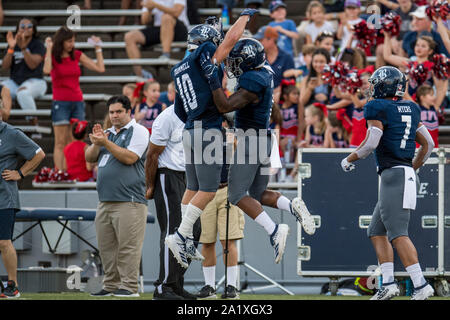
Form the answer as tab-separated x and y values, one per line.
308	111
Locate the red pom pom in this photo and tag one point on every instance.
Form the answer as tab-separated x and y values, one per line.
366	37
418	73
335	74
43	175
353	82
439	8
391	23
441	66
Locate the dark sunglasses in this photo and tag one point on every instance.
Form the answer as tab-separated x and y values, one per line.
27	26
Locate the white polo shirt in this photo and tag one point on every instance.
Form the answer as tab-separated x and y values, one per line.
157	14
167	130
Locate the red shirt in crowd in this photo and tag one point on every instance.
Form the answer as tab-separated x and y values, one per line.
76	162
289	128
66	78
359	128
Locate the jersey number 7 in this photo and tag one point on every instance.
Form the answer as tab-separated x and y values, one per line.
406	119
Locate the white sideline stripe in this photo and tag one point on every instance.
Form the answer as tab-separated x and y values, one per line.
166	248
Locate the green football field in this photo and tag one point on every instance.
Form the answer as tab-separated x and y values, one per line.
148	296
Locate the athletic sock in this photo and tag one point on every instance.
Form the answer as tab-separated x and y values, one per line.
232	276
387	271
266	222
284	203
210	276
415	272
190	217
183	210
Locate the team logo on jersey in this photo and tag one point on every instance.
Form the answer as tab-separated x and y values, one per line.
249	51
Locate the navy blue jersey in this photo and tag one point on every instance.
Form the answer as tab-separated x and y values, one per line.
400	120
256	115
193	99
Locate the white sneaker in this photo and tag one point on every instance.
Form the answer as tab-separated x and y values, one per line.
177	244
301	213
163	58
386	292
423	293
192	251
278	240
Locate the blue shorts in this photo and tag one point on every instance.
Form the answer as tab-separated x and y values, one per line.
63	111
7	219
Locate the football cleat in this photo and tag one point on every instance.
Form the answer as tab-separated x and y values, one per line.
301	213
423	292
386	292
177	244
192	251
278	240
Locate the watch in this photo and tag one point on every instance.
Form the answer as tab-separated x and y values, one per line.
20	174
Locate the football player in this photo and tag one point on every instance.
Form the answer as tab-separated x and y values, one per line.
253	101
394	127
194	105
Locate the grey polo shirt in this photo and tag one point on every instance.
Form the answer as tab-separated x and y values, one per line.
117	181
13	143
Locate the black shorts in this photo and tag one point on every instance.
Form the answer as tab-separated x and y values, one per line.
152	34
7	219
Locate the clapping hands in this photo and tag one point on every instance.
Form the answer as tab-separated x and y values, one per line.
98	136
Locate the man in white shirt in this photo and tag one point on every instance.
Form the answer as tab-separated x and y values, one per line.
166	184
170	23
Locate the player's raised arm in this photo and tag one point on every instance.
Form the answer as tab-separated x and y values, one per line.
425	140
233	35
224	104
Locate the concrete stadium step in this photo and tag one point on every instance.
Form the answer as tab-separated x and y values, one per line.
57	4
106	88
46	144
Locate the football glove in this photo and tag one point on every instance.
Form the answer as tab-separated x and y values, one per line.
210	71
347	166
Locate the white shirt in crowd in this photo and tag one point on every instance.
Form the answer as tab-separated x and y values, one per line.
346	36
157	14
314	31
167	130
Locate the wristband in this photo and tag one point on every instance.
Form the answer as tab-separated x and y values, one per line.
10	51
98	50
20	174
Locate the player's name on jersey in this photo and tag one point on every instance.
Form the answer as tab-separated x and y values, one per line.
404	109
181	68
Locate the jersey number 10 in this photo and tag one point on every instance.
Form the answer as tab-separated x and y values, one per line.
187	92
406	119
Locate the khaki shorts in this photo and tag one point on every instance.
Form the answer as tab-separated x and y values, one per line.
214	219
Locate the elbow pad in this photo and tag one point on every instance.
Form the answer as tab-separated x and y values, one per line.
424	131
373	139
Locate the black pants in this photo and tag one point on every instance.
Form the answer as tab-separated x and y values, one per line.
169	189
